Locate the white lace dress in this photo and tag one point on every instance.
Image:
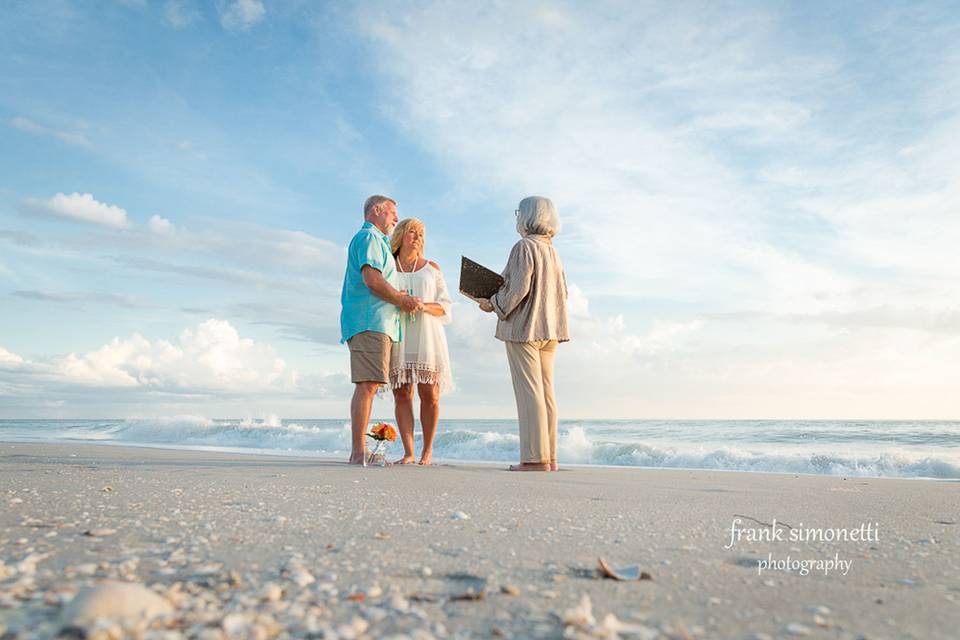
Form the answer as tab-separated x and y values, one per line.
422	357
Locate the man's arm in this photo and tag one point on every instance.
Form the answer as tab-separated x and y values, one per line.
382	289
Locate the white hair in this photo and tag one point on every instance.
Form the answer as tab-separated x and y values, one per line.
373	202
538	215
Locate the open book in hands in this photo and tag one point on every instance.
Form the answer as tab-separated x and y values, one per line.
476	281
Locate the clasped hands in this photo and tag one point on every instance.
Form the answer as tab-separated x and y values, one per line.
411	304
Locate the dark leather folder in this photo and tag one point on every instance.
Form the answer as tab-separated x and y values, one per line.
476	281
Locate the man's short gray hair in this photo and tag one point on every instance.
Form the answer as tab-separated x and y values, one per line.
538	215
374	201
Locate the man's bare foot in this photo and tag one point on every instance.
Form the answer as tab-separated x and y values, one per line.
554	466
425	458
356	459
531	466
405	460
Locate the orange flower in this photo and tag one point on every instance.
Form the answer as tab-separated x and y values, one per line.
383	431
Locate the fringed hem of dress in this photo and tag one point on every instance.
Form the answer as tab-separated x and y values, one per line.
418	374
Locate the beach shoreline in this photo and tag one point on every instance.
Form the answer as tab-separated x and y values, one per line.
323	457
901	449
399	550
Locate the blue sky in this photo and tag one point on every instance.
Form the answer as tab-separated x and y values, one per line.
759	200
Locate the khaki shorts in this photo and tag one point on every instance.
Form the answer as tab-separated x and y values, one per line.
370	357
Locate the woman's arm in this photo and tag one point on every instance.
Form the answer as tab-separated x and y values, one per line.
444	305
517	277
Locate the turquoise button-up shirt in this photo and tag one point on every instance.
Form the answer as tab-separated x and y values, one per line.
361	309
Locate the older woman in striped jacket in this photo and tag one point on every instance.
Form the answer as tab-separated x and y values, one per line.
531	309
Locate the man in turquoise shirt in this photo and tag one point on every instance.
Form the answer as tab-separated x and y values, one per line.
370	314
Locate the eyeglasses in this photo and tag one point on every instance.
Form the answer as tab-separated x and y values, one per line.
517	213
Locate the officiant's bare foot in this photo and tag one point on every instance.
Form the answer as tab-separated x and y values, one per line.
426	458
531	466
405	460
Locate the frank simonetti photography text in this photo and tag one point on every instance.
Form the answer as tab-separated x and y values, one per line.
438	320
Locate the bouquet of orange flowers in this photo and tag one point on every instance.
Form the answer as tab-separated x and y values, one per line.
382	433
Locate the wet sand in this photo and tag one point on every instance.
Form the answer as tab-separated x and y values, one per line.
262	546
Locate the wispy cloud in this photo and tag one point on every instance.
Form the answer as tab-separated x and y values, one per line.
241	15
83	298
705	162
558	108
241	253
71	138
234	276
20	238
313	320
259	250
180	14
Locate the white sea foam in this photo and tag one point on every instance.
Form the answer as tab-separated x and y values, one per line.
186	419
752	449
574	446
271	421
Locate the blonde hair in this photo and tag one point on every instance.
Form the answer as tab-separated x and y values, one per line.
396	240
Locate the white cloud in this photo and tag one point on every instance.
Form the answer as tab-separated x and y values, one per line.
81	207
180	14
209	358
160	225
577	303
663	336
8	358
241	15
29	126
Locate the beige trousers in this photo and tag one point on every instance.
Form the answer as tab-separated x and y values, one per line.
531	367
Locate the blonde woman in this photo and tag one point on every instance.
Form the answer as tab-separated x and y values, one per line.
421	360
531	309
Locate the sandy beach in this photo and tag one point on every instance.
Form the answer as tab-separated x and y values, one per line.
259	547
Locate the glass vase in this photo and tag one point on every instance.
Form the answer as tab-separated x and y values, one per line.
377	457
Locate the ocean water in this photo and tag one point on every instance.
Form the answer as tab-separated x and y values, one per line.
879	449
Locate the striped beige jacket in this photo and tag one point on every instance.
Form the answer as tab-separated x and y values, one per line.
532	303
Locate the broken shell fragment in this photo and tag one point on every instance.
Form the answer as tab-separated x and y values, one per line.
626	574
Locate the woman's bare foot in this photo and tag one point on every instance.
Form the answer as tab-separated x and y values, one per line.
531	466
425	458
405	460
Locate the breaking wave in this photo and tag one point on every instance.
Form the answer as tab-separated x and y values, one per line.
492	441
